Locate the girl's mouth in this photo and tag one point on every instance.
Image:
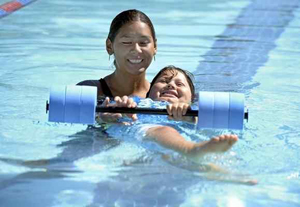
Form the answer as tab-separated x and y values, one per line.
169	94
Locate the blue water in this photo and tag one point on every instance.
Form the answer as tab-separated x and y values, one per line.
245	46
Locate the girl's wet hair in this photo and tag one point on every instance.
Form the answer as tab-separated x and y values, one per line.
174	71
129	16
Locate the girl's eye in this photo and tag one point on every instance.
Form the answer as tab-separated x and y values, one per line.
180	84
162	80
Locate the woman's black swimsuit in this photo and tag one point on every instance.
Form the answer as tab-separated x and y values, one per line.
105	89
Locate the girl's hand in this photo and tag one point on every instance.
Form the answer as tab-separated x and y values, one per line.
177	112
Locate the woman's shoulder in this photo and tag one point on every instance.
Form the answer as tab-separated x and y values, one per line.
89	83
103	88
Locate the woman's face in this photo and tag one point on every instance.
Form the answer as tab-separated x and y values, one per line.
171	88
133	48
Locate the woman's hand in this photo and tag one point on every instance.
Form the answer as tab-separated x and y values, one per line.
125	101
177	112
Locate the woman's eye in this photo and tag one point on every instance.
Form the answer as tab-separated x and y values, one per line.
144	43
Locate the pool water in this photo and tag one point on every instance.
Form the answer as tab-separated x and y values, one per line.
234	45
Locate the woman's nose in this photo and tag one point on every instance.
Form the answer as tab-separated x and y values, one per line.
136	48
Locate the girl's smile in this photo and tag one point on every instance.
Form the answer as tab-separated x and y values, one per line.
171	88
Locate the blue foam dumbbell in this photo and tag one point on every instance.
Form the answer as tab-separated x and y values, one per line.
73	104
78	104
221	110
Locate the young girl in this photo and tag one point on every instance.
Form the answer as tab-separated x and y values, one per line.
174	86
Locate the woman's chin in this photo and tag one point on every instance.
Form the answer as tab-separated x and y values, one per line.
136	69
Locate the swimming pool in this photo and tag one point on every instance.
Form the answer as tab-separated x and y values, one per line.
233	45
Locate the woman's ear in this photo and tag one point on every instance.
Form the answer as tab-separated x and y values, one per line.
109	47
155	46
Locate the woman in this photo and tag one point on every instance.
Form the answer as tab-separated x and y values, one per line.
132	41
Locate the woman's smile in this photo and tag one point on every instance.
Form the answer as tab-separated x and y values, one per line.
135	61
134	48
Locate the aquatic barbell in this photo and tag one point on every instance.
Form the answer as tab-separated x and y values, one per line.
78	104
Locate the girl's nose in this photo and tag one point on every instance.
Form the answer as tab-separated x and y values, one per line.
171	85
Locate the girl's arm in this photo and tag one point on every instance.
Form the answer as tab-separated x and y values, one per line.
170	138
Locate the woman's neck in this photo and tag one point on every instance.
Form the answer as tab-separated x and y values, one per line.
122	84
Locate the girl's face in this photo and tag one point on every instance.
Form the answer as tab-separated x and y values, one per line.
133	48
171	88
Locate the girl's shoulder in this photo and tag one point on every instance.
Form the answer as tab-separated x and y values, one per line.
149	103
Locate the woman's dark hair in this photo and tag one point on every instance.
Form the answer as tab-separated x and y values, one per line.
126	17
174	71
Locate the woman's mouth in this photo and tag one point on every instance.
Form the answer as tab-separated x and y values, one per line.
135	61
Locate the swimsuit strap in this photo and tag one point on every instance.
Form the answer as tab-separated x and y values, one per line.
105	88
